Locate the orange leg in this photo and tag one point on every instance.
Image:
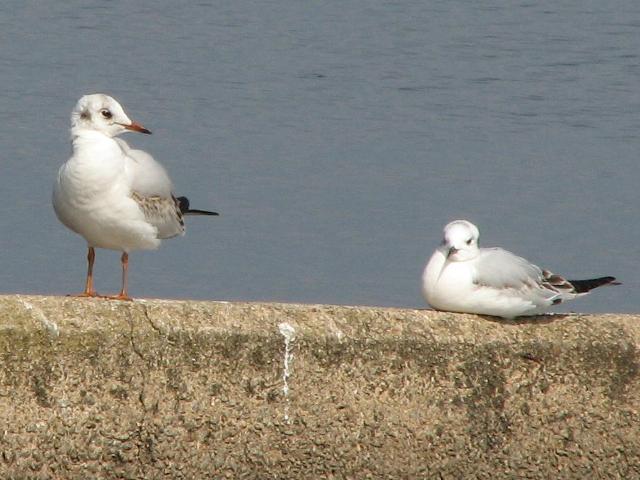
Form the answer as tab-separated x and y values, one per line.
88	288
123	295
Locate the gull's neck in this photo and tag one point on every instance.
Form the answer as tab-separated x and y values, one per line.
92	147
81	136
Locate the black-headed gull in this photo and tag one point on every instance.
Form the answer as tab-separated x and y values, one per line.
461	277
114	196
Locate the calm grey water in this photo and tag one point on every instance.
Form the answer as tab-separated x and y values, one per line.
336	139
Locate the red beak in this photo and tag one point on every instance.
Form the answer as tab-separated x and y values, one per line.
136	127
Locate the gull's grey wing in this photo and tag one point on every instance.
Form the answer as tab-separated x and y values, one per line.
161	212
151	189
498	268
147	177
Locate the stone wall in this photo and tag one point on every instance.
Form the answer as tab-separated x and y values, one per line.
183	389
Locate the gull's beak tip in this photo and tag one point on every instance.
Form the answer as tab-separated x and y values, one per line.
136	127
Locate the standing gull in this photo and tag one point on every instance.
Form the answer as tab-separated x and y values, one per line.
461	277
114	196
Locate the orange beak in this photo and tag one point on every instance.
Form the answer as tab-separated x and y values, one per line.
136	127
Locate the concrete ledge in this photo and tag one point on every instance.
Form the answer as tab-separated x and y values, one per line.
182	389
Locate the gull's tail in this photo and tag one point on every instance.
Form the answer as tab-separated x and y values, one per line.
583	286
183	202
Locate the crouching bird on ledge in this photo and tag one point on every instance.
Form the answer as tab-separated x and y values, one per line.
462	277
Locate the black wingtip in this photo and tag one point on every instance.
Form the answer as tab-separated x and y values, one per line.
201	212
183	202
583	286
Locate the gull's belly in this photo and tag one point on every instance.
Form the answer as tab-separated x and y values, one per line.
102	212
456	291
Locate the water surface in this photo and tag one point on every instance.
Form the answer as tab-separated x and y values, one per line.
336	139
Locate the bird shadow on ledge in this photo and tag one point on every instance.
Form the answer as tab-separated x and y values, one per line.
544	319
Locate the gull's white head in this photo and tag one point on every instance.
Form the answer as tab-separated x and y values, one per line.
460	241
104	114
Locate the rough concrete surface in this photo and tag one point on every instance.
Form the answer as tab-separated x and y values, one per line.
148	389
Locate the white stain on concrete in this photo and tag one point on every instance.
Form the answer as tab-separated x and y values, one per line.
335	330
49	325
289	334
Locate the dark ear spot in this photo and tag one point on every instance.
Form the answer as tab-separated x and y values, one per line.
85	115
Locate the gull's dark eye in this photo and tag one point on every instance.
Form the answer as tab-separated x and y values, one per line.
469	241
106	113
